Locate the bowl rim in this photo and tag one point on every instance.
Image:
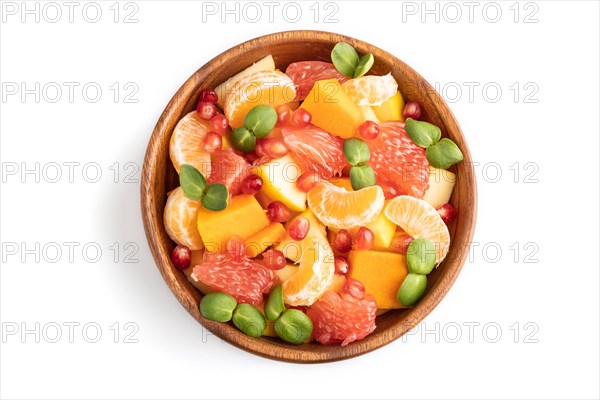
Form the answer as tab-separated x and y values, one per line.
267	347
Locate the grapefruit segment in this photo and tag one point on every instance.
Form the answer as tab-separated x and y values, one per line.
315	150
229	169
244	279
397	161
342	318
306	73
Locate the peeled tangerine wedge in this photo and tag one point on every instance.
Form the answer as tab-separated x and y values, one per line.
263	87
223	90
185	146
314	275
287	272
371	90
342	209
180	217
420	220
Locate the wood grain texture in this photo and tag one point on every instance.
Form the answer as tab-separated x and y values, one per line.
159	176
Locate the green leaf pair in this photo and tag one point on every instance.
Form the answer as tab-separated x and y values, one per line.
420	258
345	59
291	325
214	197
357	153
258	123
441	153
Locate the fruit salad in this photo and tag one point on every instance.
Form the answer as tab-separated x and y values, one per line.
311	200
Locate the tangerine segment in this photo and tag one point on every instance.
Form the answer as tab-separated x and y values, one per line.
185	146
180	217
371	90
337	282
263	87
420	220
339	208
314	275
223	90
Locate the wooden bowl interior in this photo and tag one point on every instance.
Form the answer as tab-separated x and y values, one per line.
159	177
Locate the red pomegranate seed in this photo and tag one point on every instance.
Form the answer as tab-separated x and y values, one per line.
219	124
211	142
354	288
236	246
278	212
401	242
369	130
341	265
181	257
364	239
298	228
274	147
447	212
343	241
274	259
208	95
284	112
206	110
251	184
300	118
307	181
412	109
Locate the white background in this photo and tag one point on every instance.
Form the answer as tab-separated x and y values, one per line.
539	305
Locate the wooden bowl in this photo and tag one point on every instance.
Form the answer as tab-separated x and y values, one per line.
159	177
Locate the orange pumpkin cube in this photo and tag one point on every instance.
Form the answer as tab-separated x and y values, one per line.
243	217
381	273
332	109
